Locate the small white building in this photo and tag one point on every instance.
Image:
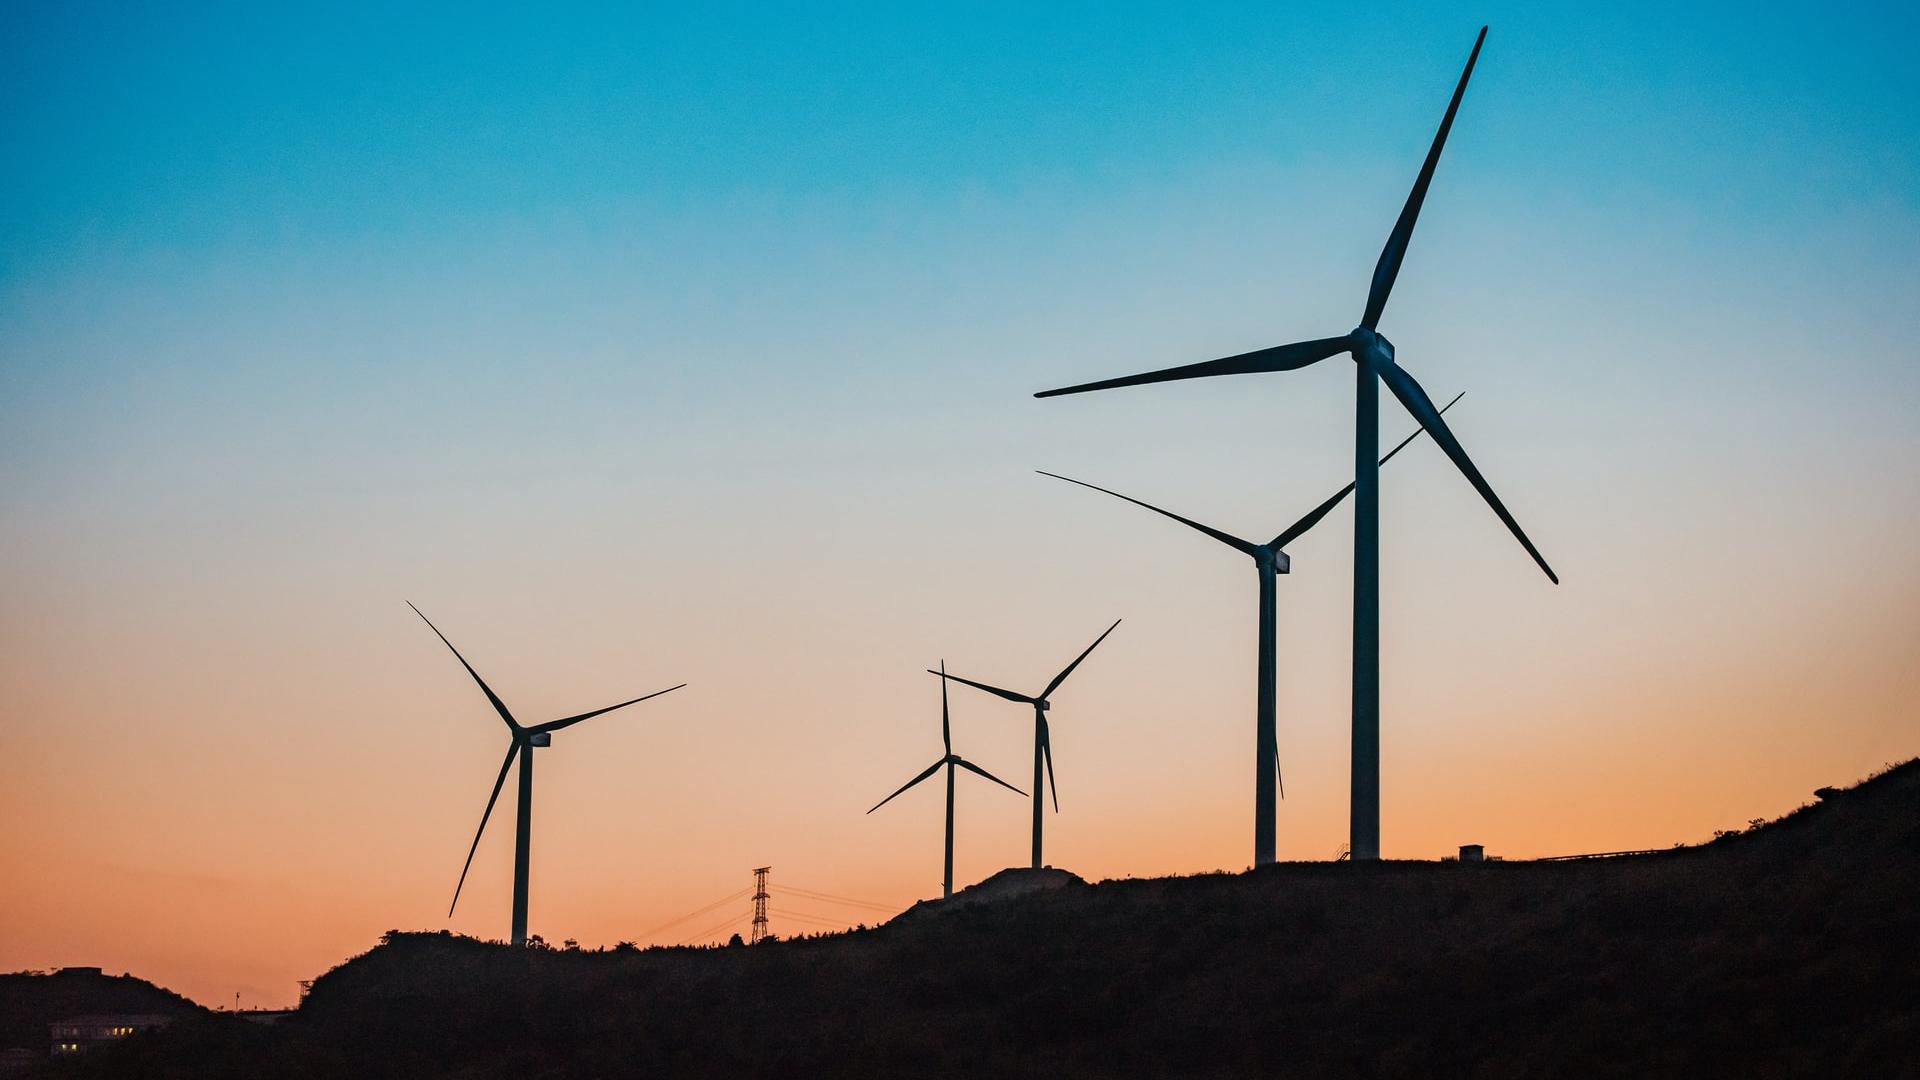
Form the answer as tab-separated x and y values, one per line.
78	1034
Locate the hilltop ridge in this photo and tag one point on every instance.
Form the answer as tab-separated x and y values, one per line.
32	1000
1777	951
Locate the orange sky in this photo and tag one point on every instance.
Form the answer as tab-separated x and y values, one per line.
234	782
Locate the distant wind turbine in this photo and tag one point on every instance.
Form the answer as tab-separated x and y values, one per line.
1042	741
1269	559
950	760
1373	358
521	742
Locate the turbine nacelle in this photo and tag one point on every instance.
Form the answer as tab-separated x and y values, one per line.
1042	705
1267	555
540	738
1370	344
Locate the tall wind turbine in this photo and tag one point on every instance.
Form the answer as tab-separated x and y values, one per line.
1373	359
1042	741
521	741
1269	559
950	760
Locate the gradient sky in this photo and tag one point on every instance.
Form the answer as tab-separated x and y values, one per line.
640	347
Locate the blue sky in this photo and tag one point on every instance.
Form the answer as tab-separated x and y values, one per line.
513	183
235	224
191	128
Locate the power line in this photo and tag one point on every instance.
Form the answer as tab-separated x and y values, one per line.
883	909
723	901
838	924
761	895
847	900
832	896
711	931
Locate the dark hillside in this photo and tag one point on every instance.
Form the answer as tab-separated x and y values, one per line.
1786	951
32	1000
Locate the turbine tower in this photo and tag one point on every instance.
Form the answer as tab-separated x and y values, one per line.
1373	359
950	760
1042	741
1269	560
521	741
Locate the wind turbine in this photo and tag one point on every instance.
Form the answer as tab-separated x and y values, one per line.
521	742
1269	559
950	760
1373	358
1042	742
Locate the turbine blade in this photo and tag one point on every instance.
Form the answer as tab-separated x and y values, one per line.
1225	538
1068	670
1388	267
1046	750
1298	528
994	690
512	748
1417	432
971	767
1408	390
931	769
946	723
1279	776
1278	358
498	705
556	725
